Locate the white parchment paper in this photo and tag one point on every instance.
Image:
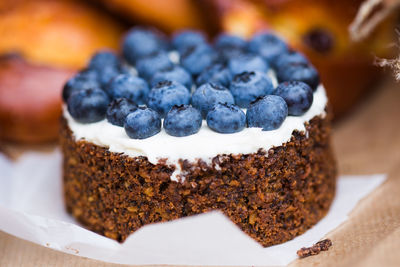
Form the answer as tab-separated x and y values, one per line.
31	208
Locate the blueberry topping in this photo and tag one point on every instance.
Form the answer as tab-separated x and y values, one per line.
82	80
216	73
106	74
208	95
175	73
148	66
128	86
267	112
267	45
289	58
247	62
299	72
182	120
226	118
248	86
167	94
228	41
298	96
141	42
88	105
229	46
196	58
321	40
187	38
118	109
104	59
142	123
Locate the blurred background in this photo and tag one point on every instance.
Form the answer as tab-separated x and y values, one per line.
43	42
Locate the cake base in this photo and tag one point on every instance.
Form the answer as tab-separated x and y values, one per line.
273	196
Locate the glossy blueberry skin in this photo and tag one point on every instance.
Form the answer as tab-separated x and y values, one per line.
289	58
141	42
148	66
247	62
225	118
142	123
267	112
118	110
297	95
176	73
226	41
196	58
187	38
268	46
182	120
82	80
248	86
128	86
208	95
104	59
167	94
216	73
299	72
88	105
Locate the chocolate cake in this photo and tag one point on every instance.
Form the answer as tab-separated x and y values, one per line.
259	151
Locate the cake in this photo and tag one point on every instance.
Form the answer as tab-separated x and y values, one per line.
178	127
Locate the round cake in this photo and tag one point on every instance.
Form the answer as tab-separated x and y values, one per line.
178	126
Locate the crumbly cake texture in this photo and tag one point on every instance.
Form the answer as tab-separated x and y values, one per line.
315	249
273	195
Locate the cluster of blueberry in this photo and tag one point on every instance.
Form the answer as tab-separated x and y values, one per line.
230	75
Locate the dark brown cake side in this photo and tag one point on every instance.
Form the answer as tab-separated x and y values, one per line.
272	196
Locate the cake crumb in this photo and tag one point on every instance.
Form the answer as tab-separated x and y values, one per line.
315	249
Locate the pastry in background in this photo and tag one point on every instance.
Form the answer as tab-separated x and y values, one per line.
320	30
52	39
168	15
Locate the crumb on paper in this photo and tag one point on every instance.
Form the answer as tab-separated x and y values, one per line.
315	249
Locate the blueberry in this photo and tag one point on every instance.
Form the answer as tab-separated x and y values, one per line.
82	80
196	58
148	66
118	109
182	120
228	41
187	38
229	46
141	42
289	58
225	118
176	73
167	94
268	46
267	112
247	62
299	72
128	86
208	95
142	123
248	86
216	73
104	59
106	74
298	96
225	55
88	105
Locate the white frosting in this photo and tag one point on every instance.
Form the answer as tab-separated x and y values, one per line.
204	145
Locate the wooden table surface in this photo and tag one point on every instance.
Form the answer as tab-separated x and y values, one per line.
367	141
